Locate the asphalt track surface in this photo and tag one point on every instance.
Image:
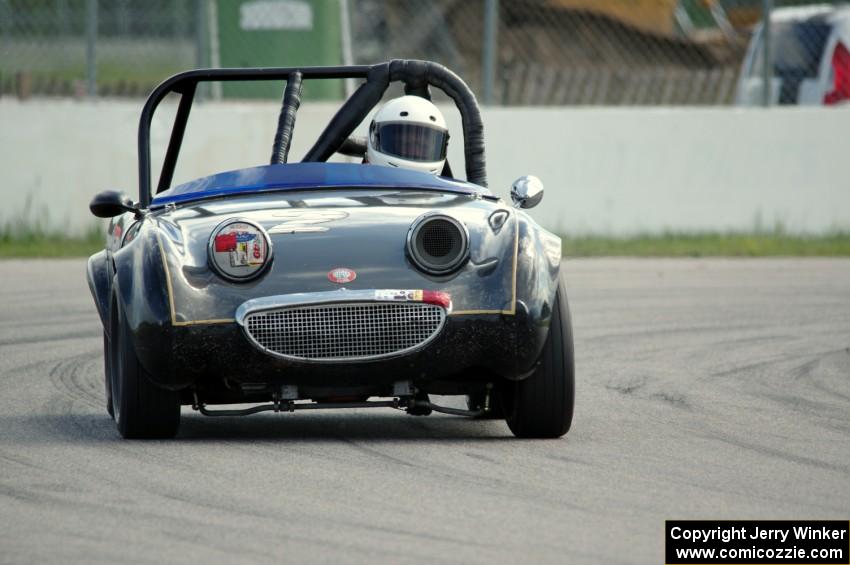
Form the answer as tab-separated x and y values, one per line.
706	389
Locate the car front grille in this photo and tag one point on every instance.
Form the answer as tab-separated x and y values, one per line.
345	331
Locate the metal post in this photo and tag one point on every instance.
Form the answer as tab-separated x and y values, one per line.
214	55
488	63
347	51
200	34
91	41
767	58
201	27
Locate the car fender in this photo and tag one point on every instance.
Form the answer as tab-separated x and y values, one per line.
97	275
140	289
537	275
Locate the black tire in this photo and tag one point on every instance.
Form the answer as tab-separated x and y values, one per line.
476	402
541	406
141	409
107	373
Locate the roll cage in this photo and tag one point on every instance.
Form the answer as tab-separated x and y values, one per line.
417	76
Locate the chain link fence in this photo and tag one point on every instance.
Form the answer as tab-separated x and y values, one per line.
106	47
566	51
511	52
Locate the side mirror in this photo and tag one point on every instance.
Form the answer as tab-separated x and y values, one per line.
527	192
111	203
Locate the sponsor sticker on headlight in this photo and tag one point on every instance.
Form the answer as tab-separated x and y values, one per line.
239	250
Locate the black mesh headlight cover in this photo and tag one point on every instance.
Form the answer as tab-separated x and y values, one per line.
438	244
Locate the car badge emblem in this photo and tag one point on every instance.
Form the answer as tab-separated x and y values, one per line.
341	275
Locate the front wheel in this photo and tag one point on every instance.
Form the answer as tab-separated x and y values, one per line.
541	405
141	409
107	373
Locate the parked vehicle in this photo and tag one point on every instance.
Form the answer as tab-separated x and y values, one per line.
810	51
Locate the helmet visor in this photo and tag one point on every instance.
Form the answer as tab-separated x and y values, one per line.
414	142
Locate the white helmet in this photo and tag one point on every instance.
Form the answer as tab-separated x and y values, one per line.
408	132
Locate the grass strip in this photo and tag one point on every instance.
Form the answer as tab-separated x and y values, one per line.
756	244
40	244
37	243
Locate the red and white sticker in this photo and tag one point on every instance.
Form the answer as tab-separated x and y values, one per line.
398	295
341	275
436	297
246	249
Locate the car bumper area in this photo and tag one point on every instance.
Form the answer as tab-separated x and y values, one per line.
468	348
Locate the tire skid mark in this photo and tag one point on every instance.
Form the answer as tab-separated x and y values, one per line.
497	487
835	364
481	457
45	492
69	422
746	493
805	370
20	493
813	375
266	434
776	453
20	462
813	409
637	388
235	554
780	358
674	399
377	453
33	340
629	385
68	377
568	459
205	503
39	365
420	535
76	321
288	514
774	360
826	389
747	341
676	331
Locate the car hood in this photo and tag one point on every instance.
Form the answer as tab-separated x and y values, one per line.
315	231
290	177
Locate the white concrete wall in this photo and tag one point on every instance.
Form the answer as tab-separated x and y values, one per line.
607	170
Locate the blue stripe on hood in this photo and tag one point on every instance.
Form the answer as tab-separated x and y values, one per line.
300	176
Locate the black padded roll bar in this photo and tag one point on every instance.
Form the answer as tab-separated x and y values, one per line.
354	146
286	121
184	84
411	72
350	114
187	94
417	76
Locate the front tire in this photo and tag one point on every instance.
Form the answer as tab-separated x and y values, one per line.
107	373
541	405
141	409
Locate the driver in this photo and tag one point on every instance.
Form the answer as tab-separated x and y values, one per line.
408	132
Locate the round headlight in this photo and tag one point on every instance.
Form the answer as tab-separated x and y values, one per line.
239	250
438	244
